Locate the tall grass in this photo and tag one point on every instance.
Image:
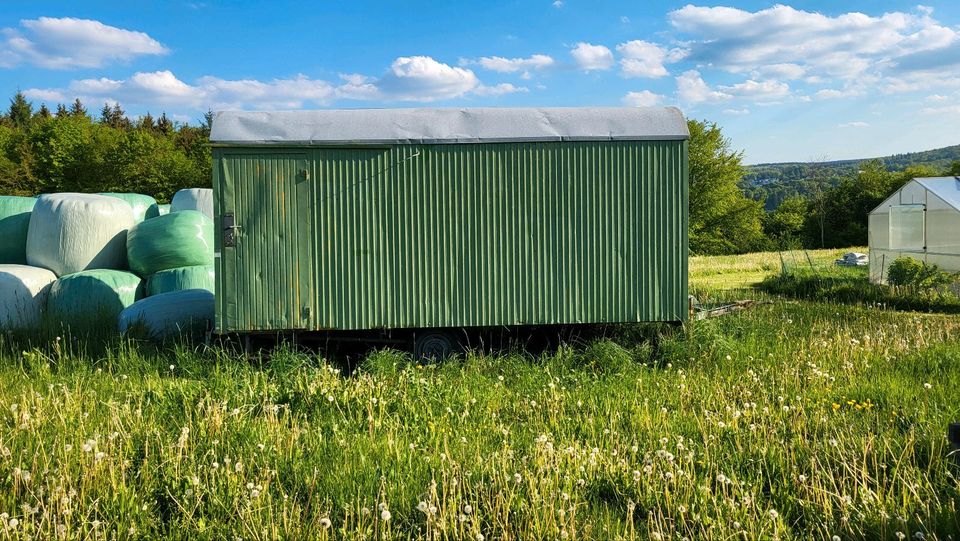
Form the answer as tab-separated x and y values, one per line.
793	421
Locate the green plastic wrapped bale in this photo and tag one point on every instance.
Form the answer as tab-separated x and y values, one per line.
143	206
92	299
179	239
14	223
181	278
188	312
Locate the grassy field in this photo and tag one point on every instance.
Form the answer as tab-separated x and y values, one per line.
793	420
709	273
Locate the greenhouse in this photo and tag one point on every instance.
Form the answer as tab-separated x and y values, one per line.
920	220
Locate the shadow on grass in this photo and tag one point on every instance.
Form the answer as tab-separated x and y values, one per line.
853	287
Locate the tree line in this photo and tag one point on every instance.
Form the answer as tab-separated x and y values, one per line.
71	150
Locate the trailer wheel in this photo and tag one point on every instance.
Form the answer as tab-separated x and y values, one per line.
433	346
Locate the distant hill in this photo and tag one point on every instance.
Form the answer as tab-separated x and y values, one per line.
774	182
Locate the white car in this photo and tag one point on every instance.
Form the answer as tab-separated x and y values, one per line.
853	259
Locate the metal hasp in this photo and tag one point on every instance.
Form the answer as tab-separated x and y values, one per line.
443	218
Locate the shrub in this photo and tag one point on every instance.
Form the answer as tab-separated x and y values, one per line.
911	273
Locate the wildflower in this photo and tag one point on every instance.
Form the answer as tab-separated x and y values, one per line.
422	507
833	442
901	536
467	509
325	523
517	477
385	515
480	537
773	514
682	509
13	523
636	475
835	538
928	387
917	535
802	478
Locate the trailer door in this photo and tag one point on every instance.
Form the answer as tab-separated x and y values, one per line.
264	220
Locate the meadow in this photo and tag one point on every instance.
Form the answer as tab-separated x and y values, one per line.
795	419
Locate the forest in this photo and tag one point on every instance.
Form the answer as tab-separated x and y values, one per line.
804	205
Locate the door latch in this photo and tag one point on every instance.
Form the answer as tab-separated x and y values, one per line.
230	230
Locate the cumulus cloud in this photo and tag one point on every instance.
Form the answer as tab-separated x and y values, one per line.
691	88
796	43
418	79
643	98
69	43
736	112
591	57
421	78
511	65
642	59
758	90
854	124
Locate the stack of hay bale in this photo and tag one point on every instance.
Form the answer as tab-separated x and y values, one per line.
91	263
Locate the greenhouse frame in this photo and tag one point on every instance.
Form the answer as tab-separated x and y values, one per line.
921	220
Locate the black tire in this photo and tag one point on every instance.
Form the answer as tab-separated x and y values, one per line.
433	346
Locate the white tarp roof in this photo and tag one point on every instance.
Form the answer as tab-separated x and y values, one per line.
946	188
436	126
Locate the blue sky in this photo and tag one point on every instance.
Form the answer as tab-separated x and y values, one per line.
793	81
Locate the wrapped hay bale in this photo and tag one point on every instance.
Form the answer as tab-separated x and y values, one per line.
92	300
181	278
143	206
23	295
71	232
14	223
179	239
199	199
168	314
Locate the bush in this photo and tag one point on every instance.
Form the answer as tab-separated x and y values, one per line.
917	275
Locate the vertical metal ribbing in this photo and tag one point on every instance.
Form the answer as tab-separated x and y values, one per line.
462	235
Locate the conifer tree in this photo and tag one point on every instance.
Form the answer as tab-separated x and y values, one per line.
164	124
43	112
20	111
62	110
77	109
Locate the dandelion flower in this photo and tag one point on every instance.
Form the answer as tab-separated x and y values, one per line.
385	515
773	514
926	386
467	509
325	523
422	507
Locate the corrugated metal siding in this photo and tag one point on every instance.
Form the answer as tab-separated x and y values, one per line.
495	234
265	282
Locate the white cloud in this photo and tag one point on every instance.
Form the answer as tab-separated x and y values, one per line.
833	93
69	43
737	112
946	110
418	79
762	90
45	95
854	124
691	88
624	19
499	90
642	59
558	4
512	65
421	78
643	98
798	43
592	57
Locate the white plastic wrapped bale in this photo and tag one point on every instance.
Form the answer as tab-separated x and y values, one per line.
144	206
71	232
193	199
23	295
188	312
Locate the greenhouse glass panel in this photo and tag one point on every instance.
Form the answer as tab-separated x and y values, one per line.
906	227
